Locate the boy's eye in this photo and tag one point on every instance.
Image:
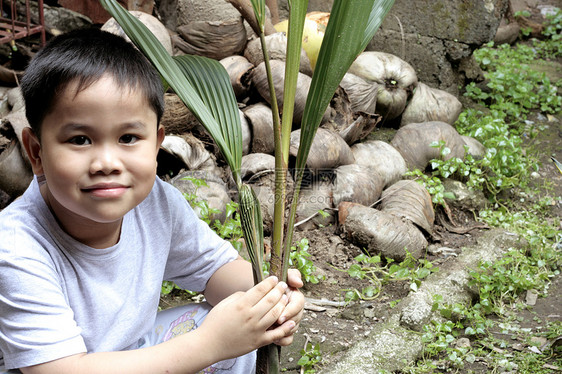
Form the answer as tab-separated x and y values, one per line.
80	140
128	139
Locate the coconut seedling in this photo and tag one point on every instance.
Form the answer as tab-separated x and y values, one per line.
204	86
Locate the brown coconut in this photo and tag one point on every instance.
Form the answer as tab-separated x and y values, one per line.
409	199
277	49
238	68
414	142
15	173
260	119
395	80
189	150
152	23
357	183
431	104
259	80
328	150
312	199
215	194
212	28
380	232
177	118
381	157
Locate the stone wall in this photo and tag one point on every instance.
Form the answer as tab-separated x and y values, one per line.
434	36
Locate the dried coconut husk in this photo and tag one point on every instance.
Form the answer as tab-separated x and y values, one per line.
277	49
409	199
363	125
342	118
381	157
328	150
396	77
246	133
475	148
260	119
380	232
431	104
258	77
256	164
189	150
15	173
238	68
312	199
213	39
215	194
362	94
151	22
177	118
414	141
357	183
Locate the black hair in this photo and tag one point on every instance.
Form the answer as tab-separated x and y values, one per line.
84	56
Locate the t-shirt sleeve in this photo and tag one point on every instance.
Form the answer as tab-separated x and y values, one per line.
196	251
36	324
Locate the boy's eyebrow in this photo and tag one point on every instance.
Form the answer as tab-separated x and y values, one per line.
135	125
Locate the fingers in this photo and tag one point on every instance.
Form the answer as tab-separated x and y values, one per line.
294	309
294	278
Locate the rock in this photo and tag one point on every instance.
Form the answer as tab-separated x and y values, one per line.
417	312
465	198
463	343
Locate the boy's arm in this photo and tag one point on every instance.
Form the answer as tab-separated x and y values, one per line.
237	325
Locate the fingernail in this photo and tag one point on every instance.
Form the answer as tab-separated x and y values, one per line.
282	319
283	285
274	278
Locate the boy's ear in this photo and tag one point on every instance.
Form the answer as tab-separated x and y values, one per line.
32	146
160	136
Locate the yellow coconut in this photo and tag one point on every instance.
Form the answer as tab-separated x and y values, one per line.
313	33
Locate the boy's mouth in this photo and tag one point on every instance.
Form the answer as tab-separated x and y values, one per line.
106	190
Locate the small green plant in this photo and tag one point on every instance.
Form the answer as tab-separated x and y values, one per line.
311	356
371	268
300	258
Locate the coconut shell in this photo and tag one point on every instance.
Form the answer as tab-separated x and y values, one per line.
396	77
276	45
363	125
431	104
328	150
238	68
381	157
151	22
177	118
414	141
357	183
260	119
258	77
216	40
409	199
380	232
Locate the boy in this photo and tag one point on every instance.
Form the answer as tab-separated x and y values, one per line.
85	249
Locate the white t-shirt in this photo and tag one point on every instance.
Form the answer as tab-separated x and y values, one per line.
59	297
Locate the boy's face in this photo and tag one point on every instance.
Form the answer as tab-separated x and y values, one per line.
98	153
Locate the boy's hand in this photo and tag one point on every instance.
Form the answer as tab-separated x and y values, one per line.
294	310
247	320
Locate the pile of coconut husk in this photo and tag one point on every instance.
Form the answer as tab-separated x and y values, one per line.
351	180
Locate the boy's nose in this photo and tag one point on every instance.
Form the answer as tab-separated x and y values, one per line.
105	161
